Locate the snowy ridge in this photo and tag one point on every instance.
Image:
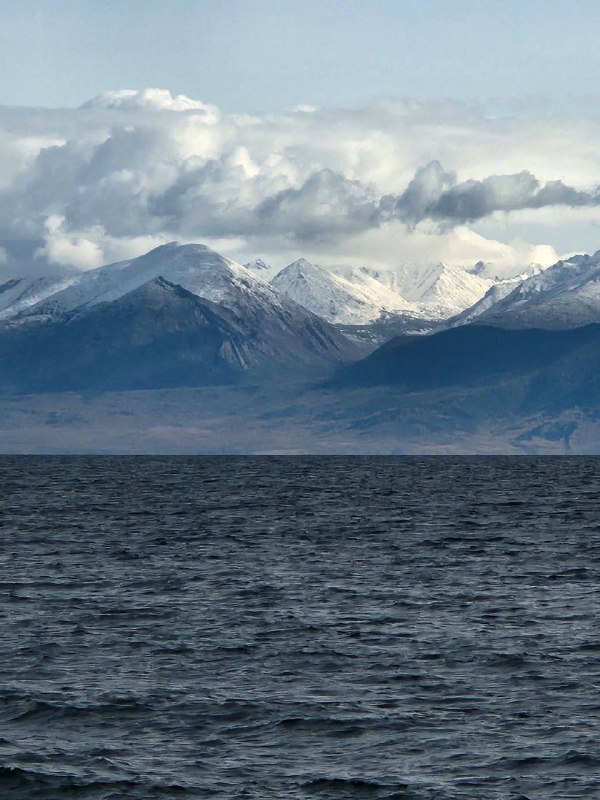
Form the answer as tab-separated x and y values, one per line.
504	273
565	295
335	298
361	295
493	295
432	292
195	267
442	289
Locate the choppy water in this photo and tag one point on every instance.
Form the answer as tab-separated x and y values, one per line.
417	629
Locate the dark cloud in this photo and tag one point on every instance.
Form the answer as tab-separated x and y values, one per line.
423	192
326	205
433	194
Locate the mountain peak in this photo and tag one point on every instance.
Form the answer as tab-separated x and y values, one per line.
566	295
164	309
196	267
354	300
175	251
442	286
302	265
257	264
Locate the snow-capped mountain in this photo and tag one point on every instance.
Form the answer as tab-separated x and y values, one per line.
358	301
195	267
493	295
440	290
363	296
205	298
566	295
257	264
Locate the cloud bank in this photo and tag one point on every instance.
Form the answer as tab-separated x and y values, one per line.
386	184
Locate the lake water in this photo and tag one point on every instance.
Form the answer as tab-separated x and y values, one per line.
407	628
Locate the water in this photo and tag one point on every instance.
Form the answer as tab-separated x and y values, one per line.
408	628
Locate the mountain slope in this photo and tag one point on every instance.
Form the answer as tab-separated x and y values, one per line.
334	297
158	335
566	295
19	294
472	355
195	267
441	289
493	295
206	274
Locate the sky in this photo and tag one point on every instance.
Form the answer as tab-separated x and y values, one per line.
345	131
266	55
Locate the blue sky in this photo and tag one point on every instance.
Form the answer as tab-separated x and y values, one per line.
261	55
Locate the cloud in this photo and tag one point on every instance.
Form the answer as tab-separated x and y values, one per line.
423	193
88	248
435	195
80	187
151	99
69	249
325	207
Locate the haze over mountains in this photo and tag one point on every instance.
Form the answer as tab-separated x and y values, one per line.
186	316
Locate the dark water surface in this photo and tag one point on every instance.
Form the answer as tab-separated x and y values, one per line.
408	628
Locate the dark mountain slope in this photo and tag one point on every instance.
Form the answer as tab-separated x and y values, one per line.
473	356
159	335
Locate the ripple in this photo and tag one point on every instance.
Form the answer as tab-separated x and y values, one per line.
288	628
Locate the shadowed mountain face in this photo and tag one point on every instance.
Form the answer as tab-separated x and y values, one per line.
558	363
161	335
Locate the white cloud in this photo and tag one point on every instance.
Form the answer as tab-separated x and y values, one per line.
69	249
151	99
390	245
90	247
389	183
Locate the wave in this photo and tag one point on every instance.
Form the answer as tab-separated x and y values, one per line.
354	787
15	781
31	709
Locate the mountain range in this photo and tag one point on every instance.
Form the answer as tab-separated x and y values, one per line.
507	364
362	295
179	315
